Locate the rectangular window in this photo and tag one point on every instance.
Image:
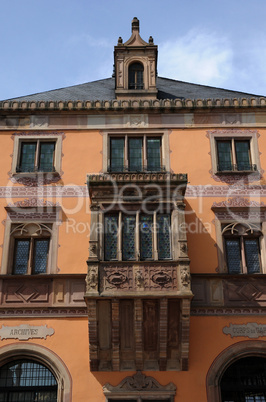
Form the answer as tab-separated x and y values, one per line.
134	236
30	256
36	156
234	155
135	154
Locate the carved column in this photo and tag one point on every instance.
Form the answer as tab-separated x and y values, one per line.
184	341
138	334
93	335
163	334
115	336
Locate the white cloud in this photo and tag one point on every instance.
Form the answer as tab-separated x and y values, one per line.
199	57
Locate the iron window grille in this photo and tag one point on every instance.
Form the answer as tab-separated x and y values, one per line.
26	380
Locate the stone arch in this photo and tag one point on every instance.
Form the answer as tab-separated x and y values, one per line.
225	359
45	356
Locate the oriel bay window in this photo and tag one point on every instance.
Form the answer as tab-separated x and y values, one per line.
234	155
137	237
242	248
135	154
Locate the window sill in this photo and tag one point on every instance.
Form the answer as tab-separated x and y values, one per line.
236	172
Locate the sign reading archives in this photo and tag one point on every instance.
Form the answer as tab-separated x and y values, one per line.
250	330
25	332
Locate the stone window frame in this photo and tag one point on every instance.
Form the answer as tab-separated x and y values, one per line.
137	236
30	220
138	133
33	137
250	135
44	356
220	224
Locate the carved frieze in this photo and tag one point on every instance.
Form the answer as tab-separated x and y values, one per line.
138	278
251	330
92	278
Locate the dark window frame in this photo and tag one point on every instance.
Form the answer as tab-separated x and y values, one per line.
136	76
36	166
231	160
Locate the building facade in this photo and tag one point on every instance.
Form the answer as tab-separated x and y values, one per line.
133	254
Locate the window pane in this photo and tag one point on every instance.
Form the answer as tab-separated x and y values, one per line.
252	255
135	76
21	257
41	248
46	158
224	155
117	154
242	155
135	154
233	256
27	156
163	237
146	225
129	225
110	237
154	154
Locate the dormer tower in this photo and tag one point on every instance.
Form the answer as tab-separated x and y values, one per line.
135	67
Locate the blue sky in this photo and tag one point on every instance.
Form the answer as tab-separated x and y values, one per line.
49	44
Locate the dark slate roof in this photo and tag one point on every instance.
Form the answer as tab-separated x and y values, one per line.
105	90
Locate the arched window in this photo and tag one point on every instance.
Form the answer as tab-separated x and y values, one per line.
27	380
245	380
135	76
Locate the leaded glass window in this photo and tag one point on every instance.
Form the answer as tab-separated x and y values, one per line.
27	381
135	154
30	256
110	237
242	155
224	155
129	227
117	154
234	155
146	244
132	236
153	154
164	236
36	156
242	248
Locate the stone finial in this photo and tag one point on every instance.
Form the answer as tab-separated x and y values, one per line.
151	40
135	24
120	41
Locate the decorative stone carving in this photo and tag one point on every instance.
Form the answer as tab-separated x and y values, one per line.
25	332
139	382
92	278
161	278
93	250
250	330
237	202
185	277
33	202
36	180
116	279
139	280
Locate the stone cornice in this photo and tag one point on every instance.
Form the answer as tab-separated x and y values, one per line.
157	105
